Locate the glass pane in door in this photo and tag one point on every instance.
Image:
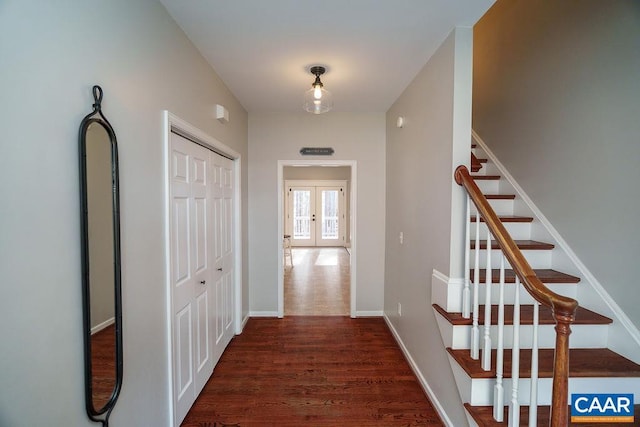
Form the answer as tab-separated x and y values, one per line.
329	214
301	214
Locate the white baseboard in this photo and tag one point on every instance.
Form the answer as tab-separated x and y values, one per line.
244	322
103	325
263	314
421	379
372	313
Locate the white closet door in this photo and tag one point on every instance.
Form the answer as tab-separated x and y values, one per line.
223	194
191	281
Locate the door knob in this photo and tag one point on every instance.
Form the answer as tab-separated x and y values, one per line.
203	282
219	269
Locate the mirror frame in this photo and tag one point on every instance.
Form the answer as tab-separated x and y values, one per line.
100	414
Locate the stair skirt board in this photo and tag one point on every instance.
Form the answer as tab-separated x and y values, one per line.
582	336
479	391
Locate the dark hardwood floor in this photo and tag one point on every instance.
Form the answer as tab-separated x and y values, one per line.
103	365
313	371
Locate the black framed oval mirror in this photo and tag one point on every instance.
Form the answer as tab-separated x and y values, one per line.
100	241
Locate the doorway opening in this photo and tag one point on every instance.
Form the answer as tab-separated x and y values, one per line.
316	232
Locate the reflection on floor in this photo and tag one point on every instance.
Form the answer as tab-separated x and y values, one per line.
318	283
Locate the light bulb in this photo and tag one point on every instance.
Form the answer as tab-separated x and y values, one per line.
317	91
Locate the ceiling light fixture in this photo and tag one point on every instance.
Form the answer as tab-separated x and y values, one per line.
317	100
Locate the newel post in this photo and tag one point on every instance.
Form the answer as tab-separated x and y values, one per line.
560	394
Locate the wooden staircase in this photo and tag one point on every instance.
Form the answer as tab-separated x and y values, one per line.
593	368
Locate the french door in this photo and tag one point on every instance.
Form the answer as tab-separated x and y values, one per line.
315	215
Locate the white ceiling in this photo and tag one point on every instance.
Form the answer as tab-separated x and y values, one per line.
262	49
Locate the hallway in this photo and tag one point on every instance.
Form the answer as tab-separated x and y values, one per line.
319	282
313	371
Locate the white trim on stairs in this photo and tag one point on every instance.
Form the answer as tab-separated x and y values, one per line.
626	323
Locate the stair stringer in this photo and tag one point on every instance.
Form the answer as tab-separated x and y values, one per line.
624	336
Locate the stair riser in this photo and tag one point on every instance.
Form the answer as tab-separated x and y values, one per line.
568	290
488	186
479	152
449	296
500	206
536	259
517	230
481	390
582	336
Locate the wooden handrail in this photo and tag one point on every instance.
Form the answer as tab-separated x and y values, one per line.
563	308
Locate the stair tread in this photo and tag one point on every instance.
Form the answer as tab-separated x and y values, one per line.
486	177
546	275
507	218
500	196
584	362
522	244
583	316
483	416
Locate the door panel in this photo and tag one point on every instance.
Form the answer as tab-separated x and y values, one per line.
191	267
302	203
329	224
223	193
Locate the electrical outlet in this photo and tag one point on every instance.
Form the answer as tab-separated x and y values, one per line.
399	310
401	237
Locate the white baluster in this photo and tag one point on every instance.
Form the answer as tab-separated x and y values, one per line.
466	293
533	405
475	331
486	348
514	406
498	390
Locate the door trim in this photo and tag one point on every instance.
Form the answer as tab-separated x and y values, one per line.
173	123
352	224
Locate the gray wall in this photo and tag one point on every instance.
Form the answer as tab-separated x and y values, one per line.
52	53
421	157
556	97
318	173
